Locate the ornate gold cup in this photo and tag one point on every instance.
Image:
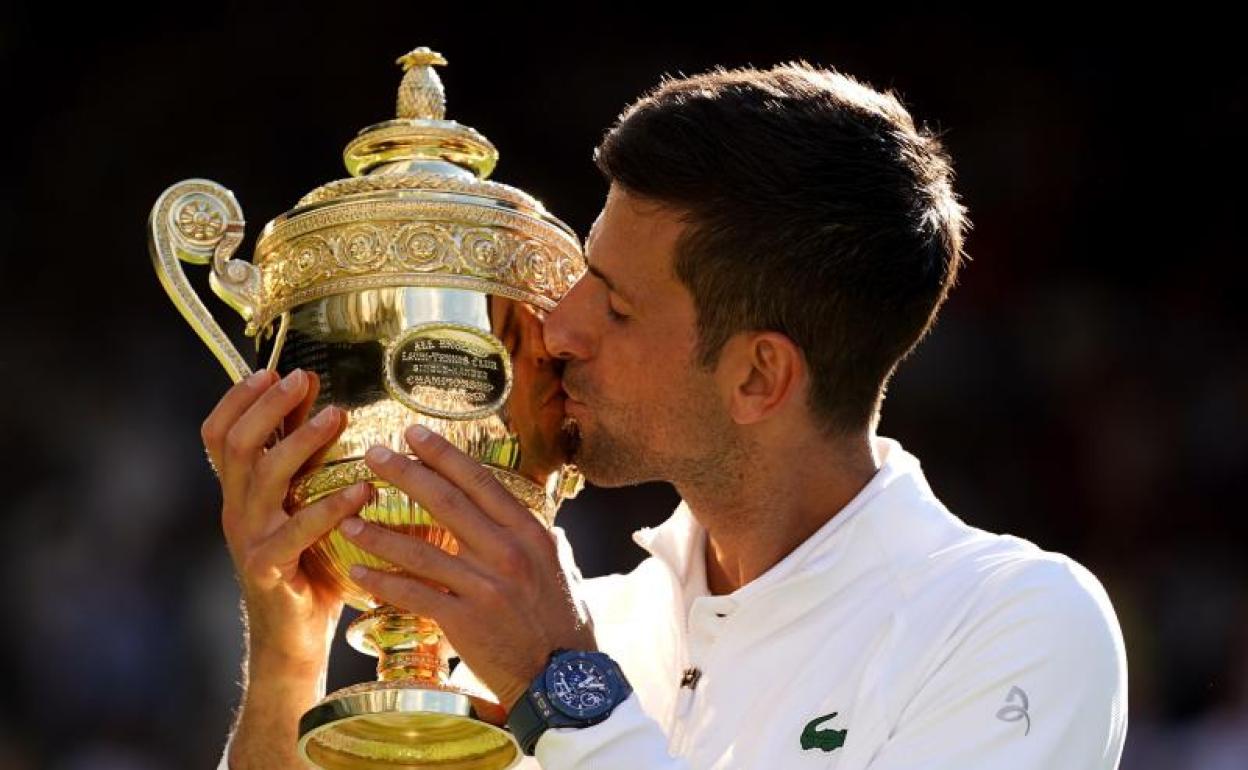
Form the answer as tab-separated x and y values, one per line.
415	290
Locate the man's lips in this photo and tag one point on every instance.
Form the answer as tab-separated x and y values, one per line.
571	403
571	387
556	393
572	391
571	397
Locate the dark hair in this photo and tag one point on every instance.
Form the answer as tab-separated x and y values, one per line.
815	209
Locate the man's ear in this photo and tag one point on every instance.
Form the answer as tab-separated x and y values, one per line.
761	372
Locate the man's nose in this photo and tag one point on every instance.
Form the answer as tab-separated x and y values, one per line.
565	331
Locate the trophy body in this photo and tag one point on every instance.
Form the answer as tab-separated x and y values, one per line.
415	291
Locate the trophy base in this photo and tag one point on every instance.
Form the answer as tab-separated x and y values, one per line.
403	725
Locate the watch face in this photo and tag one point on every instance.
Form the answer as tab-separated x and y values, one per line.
580	688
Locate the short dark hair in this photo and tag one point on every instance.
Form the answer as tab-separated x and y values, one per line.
816	209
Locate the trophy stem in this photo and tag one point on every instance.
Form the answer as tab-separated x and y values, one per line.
408	647
411	666
412	718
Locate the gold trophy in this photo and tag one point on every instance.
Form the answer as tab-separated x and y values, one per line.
415	290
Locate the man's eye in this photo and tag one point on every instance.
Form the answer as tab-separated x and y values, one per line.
615	315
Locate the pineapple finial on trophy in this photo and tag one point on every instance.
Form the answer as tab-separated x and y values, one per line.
420	135
421	95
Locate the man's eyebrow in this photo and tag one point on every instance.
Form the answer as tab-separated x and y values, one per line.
605	279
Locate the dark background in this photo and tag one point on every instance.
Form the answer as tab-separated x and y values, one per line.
1086	387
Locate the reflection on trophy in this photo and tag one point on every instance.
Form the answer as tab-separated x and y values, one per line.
415	290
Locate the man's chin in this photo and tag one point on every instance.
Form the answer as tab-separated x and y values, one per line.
605	468
603	464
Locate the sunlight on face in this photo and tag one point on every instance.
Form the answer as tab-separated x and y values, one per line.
644	407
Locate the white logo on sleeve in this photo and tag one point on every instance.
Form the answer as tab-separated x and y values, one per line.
1015	708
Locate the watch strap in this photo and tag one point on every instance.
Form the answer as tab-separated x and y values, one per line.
527	721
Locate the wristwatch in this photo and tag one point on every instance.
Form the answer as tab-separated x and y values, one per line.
576	689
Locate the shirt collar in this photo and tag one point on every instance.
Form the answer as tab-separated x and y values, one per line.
680	540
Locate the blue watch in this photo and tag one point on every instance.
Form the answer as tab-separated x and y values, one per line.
576	689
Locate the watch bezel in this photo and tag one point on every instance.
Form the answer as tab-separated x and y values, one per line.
599	661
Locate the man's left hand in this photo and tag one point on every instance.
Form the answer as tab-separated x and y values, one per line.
507	605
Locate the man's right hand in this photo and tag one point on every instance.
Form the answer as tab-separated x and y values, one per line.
290	619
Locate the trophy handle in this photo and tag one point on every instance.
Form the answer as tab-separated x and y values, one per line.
200	222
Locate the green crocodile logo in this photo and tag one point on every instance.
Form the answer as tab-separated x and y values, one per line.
828	740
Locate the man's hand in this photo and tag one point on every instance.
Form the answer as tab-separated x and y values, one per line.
506	604
290	619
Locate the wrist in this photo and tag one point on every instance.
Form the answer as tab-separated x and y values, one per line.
275	664
575	689
266	728
508	697
282	687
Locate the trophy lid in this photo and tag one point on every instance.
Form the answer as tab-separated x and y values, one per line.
417	210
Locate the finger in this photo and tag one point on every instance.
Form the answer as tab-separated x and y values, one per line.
474	479
406	593
301	530
280	464
446	502
251	432
418	558
232	405
297	417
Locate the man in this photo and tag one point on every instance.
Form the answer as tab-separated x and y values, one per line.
772	245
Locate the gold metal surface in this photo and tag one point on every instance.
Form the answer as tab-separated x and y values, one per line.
404	237
345	339
415	291
199	222
418	362
421	180
356	731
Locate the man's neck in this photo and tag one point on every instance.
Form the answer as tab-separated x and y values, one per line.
775	504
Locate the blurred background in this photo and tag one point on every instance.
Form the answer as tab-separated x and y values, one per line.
1086	387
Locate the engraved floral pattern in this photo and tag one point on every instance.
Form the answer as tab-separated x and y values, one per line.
533	265
306	259
422	246
483	249
361	248
201	221
331	478
328	252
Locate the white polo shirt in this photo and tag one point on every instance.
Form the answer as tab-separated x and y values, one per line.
895	637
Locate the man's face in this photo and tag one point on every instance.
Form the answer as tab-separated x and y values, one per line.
645	408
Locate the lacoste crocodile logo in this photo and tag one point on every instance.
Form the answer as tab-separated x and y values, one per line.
827	740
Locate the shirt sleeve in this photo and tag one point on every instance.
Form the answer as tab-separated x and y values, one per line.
626	740
1039	681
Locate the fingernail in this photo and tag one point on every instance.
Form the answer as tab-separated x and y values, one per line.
418	432
357	572
352	526
379	454
258	379
324	418
359	491
293	381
